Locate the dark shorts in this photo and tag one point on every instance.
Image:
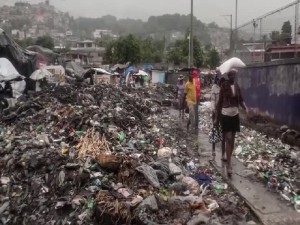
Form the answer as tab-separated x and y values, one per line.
230	123
181	104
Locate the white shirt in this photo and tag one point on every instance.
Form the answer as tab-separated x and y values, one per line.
231	111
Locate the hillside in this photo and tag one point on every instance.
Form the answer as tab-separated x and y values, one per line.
34	20
171	27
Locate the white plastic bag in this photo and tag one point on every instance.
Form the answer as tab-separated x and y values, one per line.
164	153
7	70
231	64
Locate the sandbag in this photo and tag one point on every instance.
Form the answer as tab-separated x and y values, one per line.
231	64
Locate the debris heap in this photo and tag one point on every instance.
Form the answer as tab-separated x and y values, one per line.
98	155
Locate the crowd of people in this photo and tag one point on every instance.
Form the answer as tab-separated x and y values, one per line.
226	99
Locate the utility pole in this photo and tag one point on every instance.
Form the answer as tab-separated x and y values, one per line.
189	62
192	36
260	29
236	22
254	26
296	27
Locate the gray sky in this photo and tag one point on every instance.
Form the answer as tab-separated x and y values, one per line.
205	10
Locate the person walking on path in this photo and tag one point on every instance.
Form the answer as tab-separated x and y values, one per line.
197	84
180	96
191	99
230	98
216	133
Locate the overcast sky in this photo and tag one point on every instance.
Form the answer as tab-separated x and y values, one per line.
206	10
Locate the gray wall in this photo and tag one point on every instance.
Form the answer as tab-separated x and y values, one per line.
172	77
273	89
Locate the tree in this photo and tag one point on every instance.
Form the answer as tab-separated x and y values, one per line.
45	41
152	50
275	36
125	49
198	53
213	58
25	42
180	51
286	31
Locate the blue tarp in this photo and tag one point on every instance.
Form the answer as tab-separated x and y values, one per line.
147	67
129	70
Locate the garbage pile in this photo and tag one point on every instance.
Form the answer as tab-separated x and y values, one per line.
273	162
104	155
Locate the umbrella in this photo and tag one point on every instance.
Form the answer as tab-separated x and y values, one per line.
40	74
231	64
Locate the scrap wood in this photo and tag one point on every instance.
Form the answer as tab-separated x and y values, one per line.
118	210
93	145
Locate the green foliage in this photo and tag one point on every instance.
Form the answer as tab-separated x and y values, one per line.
45	41
152	50
179	53
275	36
213	25
25	42
135	50
286	30
198	53
156	26
125	49
286	33
213	58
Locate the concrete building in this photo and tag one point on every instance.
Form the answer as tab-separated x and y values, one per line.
86	53
69	33
101	33
176	35
18	34
252	53
278	52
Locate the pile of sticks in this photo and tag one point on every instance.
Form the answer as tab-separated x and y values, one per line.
92	144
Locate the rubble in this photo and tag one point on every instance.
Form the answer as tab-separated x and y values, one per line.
268	159
80	154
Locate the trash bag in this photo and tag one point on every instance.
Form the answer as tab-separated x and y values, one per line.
202	179
150	174
164	152
161	164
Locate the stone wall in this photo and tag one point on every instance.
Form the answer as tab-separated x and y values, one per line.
273	90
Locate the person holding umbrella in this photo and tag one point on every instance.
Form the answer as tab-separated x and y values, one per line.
230	99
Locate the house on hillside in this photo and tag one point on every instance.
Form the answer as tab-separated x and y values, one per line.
86	53
101	33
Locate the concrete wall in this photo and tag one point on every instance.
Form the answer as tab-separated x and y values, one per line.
273	89
172	78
